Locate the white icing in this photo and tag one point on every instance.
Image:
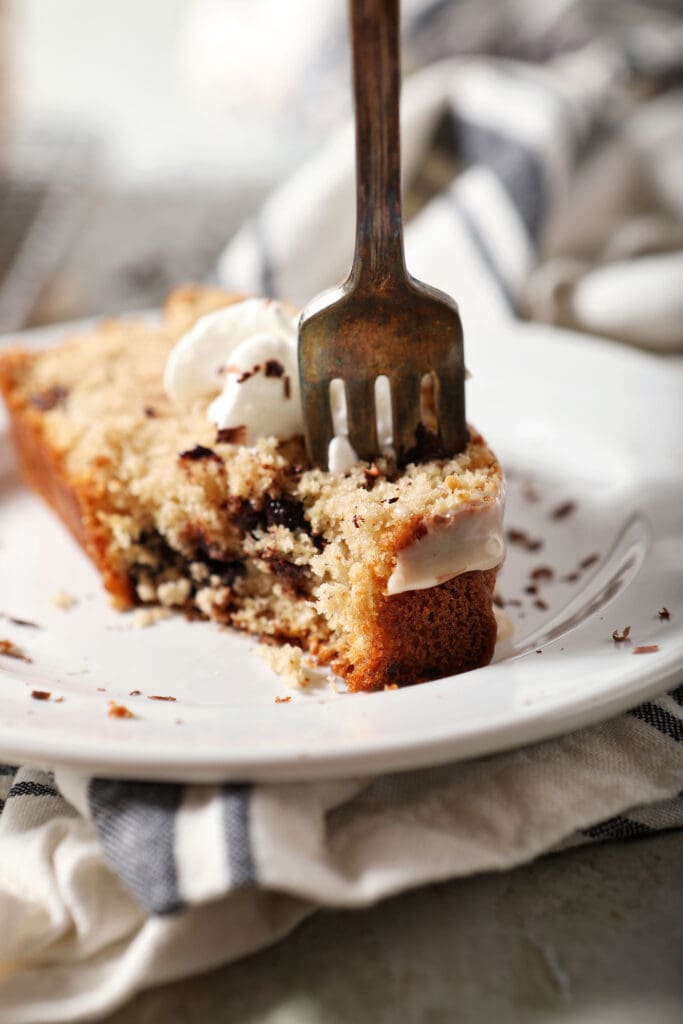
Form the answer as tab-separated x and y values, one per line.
470	539
225	357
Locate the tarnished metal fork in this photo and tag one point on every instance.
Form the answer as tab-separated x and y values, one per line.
381	321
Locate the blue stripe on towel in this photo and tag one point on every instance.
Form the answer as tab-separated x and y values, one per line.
135	822
236	820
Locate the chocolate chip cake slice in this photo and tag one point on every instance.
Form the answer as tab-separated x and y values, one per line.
385	574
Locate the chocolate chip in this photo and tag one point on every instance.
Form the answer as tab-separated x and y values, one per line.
620	638
531	589
428	446
198	453
357	520
274	368
284	511
150	412
247	517
295	579
50	398
41	694
664	614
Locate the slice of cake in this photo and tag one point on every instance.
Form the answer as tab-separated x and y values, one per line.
171	451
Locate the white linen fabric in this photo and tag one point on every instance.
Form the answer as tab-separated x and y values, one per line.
545	182
108	887
548	191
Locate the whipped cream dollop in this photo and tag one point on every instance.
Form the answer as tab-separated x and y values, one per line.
470	538
244	359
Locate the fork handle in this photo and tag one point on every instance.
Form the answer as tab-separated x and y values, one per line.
378	258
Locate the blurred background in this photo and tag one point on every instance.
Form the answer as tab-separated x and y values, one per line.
137	137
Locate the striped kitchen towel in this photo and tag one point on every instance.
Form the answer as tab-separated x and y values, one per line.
107	887
550	190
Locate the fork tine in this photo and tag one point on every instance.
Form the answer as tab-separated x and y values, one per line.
315	401
360	405
405	404
450	408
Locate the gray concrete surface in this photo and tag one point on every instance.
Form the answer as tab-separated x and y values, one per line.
590	936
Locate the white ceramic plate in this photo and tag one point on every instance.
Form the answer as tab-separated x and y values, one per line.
573	420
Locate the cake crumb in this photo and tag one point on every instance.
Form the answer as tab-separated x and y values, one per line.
618	637
664	614
645	649
282	700
588	561
41	694
119	710
286	661
158	697
10	650
63	600
144	617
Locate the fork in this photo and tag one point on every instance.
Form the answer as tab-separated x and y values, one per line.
382	322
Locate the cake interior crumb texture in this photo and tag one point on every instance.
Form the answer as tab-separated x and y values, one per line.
250	537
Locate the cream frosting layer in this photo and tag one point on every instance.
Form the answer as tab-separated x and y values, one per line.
470	539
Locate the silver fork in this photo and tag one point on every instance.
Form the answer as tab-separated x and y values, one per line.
382	322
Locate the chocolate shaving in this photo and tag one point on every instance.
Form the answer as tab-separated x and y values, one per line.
541	604
20	622
273	368
41	694
531	589
156	697
529	492
246	374
231	435
135	693
664	614
618	637
10	650
543	572
646	649
389	501
198	453
563	510
150	412
282	700
590	560
522	539
50	398
357	520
